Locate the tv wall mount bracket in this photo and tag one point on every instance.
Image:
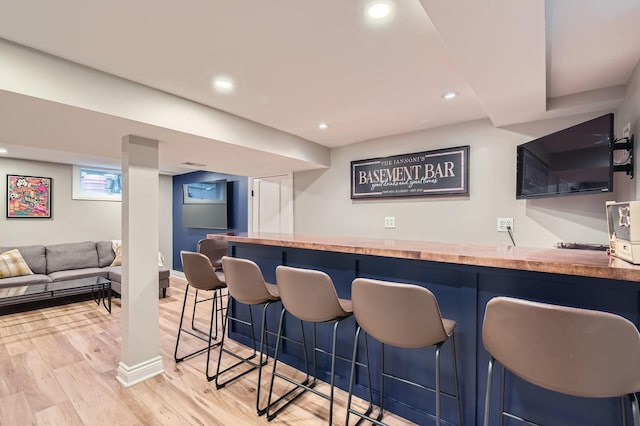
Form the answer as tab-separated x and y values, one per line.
626	144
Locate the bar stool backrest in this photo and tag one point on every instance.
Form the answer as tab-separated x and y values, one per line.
214	249
574	351
308	294
245	281
199	272
402	315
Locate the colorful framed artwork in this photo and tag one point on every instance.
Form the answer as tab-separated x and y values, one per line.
28	196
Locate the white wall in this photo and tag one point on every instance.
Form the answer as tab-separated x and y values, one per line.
72	220
629	112
322	203
165	219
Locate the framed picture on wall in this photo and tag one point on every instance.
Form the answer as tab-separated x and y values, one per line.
28	196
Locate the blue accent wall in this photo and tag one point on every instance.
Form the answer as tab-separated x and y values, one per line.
238	216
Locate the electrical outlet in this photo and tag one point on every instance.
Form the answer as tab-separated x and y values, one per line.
503	223
389	222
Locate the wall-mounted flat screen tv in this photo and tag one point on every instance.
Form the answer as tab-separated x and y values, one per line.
577	160
204	205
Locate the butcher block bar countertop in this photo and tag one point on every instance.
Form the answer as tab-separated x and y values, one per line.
586	263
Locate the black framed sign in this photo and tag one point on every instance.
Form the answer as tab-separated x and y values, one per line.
439	172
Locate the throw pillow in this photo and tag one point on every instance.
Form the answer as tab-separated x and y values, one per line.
117	249
12	264
116	245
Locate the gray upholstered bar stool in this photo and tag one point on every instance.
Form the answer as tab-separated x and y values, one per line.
573	351
214	249
201	275
246	285
310	296
404	316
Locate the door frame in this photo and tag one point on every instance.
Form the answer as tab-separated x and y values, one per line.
288	194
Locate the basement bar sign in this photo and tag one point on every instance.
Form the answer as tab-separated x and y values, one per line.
440	172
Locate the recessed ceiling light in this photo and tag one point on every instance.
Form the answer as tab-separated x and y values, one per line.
223	84
449	95
378	10
323	126
3	151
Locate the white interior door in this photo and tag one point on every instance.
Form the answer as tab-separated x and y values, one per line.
272	204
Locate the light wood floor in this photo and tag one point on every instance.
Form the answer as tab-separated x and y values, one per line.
58	367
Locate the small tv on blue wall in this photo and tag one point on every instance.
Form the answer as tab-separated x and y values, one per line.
577	160
204	205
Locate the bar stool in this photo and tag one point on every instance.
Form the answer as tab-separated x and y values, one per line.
572	351
245	284
214	249
200	275
404	316
307	295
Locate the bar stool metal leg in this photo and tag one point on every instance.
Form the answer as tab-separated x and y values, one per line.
455	377
438	384
635	409
502	395
263	353
333	369
487	401
366	414
262	349
305	385
381	382
219	308
199	335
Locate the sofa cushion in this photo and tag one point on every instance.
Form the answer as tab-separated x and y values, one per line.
105	253
13	265
72	274
62	257
115	273
33	255
25	280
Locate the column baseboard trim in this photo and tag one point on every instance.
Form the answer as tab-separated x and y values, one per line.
130	375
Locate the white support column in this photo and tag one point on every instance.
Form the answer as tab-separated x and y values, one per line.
140	344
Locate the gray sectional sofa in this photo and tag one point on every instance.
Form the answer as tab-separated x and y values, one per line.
59	262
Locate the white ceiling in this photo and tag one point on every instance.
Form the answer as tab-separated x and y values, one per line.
297	63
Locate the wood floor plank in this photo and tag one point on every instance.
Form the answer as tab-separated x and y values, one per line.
142	399
62	414
36	381
92	399
98	349
16	410
8	384
57	349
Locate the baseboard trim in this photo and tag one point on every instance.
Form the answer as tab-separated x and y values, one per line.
130	375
